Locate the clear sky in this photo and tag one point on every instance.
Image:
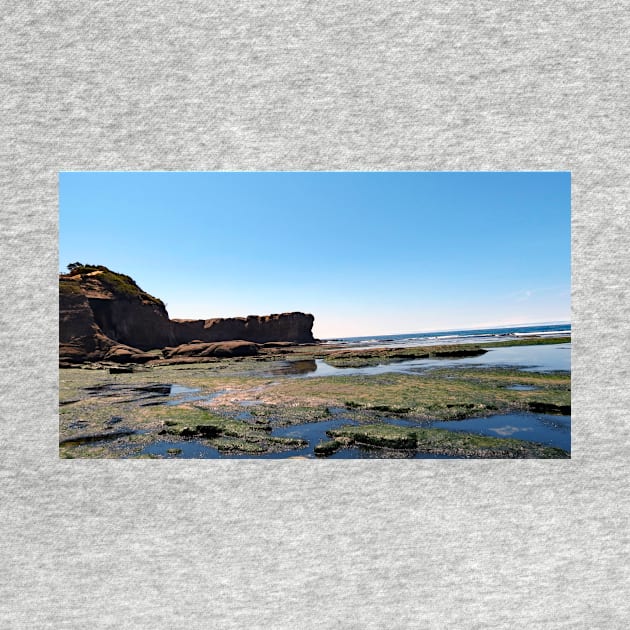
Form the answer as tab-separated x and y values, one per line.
366	253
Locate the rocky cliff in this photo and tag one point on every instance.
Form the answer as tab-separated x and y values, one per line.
100	311
80	338
294	327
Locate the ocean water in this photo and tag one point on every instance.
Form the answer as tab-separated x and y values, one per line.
544	358
478	335
548	429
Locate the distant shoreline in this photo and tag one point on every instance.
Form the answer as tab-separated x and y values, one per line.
476	335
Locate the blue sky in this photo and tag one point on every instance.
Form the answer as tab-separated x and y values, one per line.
366	253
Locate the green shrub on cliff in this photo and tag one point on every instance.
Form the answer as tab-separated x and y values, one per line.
123	285
79	269
118	283
69	287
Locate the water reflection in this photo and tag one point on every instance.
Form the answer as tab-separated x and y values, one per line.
543	428
152	394
550	358
303	366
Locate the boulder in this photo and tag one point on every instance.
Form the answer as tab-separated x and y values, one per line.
238	348
125	354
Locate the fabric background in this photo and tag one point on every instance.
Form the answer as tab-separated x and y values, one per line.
391	85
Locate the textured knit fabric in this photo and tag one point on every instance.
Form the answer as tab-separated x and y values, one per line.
109	85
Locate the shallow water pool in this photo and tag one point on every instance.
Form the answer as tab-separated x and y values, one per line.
543	428
550	358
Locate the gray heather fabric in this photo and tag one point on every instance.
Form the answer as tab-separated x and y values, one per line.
328	85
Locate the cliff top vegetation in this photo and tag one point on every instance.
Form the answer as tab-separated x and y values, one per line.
119	284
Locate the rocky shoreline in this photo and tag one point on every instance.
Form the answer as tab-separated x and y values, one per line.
134	379
106	316
237	405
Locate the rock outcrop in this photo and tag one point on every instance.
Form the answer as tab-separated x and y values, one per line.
106	315
80	338
291	327
236	348
126	354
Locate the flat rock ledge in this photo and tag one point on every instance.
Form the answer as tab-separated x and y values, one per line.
237	348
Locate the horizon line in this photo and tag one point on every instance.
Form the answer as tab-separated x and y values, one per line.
485	327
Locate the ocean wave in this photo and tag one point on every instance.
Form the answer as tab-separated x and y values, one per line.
452	336
542	333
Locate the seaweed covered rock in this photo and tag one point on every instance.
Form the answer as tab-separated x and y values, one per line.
443	442
327	448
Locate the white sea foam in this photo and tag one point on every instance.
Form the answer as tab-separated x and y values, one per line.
453	336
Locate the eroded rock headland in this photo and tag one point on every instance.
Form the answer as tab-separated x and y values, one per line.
104	315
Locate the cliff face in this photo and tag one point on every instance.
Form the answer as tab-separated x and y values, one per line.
80	338
292	327
100	309
135	324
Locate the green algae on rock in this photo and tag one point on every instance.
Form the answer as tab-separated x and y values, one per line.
446	395
366	357
324	449
233	404
442	442
376	356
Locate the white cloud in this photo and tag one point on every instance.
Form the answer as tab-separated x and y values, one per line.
508	430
